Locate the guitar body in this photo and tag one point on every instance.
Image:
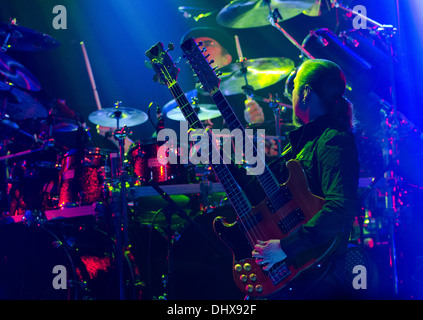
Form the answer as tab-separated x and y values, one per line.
270	223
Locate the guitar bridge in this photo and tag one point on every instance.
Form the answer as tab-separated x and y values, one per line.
278	273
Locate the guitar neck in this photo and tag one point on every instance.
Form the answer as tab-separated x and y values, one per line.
237	197
266	179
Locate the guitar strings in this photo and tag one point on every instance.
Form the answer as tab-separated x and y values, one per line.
241	199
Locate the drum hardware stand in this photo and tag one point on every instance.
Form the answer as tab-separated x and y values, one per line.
119	209
277	112
5	46
273	17
171	208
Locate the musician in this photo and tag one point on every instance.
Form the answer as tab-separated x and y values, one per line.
324	145
219	46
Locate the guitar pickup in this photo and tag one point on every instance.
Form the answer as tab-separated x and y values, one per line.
280	199
292	220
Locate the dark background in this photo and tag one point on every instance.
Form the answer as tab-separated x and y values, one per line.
117	34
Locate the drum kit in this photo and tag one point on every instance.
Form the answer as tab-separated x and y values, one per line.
48	181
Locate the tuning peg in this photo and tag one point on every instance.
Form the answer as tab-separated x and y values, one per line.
170	47
208	55
219	73
211	61
204	49
200	44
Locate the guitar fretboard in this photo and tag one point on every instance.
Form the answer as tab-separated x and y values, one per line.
238	199
266	179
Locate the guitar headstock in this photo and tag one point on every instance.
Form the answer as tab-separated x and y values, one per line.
162	63
205	73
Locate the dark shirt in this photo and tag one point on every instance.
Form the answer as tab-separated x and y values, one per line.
329	158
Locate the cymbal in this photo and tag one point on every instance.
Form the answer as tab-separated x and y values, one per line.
60	124
240	14
261	73
25	39
21	104
127	117
203	111
14	72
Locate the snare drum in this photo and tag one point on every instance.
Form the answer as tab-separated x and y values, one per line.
82	177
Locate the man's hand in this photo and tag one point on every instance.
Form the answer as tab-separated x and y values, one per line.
267	253
253	113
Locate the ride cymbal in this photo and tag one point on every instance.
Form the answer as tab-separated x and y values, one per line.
260	73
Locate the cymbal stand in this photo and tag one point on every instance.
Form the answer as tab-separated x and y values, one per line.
273	18
119	204
277	112
5	46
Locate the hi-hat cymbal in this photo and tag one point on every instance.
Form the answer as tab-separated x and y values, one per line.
241	14
261	73
127	117
14	72
25	39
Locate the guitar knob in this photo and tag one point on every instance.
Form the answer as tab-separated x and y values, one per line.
238	268
249	288
253	277
259	288
247	266
243	278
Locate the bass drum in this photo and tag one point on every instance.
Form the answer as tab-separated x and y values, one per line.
35	259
